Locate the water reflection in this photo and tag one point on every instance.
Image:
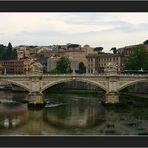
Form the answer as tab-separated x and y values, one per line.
67	112
71	114
80	113
12	116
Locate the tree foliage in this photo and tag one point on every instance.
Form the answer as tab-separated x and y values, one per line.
98	49
9	47
114	49
73	45
145	42
138	60
14	54
63	65
54	71
82	68
2	52
7	53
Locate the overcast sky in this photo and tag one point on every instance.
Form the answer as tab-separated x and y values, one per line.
95	29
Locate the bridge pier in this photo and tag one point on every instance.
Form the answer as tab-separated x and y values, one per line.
112	97
35	99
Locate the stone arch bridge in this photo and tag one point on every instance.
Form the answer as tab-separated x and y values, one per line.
111	84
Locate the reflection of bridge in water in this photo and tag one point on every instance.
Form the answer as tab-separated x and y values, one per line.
74	114
110	83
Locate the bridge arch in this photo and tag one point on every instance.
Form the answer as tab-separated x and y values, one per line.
131	83
50	84
17	84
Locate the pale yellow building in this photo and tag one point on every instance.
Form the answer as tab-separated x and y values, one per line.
77	54
22	52
27	64
92	63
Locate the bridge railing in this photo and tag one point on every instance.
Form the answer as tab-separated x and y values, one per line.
74	75
133	75
68	75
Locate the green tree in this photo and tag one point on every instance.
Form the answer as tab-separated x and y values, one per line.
63	65
82	68
9	52
2	52
138	60
14	54
54	71
114	49
98	49
73	45
145	42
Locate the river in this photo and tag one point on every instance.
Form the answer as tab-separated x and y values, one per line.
73	114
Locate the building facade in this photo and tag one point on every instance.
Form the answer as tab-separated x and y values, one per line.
17	66
92	63
22	52
96	63
27	65
128	50
13	67
51	64
79	53
116	60
1	68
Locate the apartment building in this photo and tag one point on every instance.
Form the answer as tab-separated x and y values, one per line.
27	65
17	66
13	66
22	52
92	63
96	63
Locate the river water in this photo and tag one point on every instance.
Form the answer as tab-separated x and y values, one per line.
73	114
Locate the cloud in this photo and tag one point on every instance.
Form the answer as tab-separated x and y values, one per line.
96	29
1	34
